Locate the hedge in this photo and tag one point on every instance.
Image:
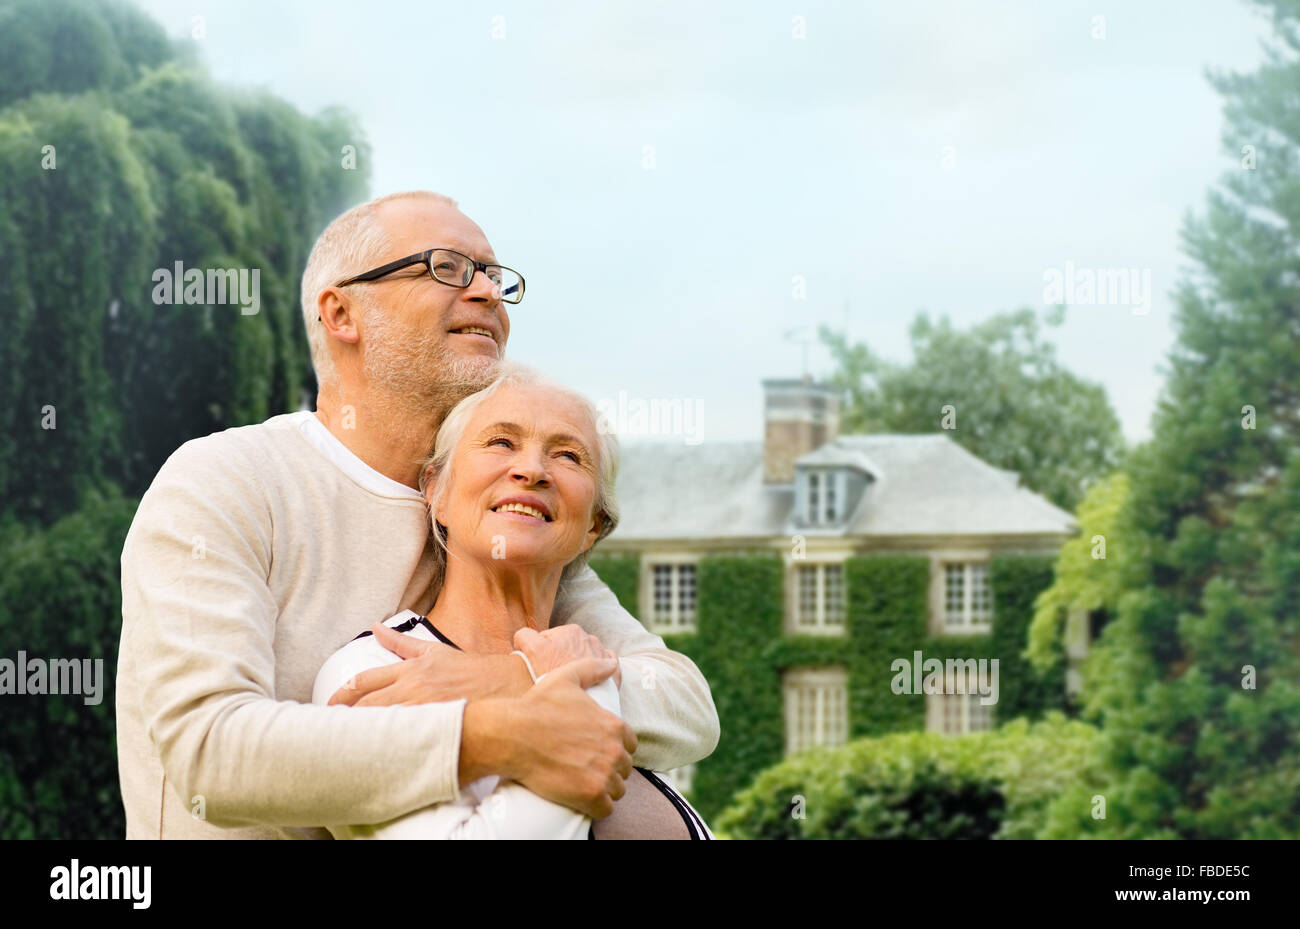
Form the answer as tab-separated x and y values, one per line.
997	784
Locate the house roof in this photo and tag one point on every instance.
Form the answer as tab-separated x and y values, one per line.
921	485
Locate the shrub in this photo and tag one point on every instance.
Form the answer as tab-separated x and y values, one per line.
921	785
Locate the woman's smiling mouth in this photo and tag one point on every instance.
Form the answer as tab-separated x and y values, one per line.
522	509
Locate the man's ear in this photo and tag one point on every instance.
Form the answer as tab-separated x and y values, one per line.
337	314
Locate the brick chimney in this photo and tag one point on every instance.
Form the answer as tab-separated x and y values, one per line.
798	417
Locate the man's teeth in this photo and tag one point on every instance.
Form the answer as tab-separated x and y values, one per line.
476	329
521	508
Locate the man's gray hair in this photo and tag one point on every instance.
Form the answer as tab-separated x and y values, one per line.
352	244
453	428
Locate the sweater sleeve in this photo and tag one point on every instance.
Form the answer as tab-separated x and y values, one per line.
199	620
664	697
508	811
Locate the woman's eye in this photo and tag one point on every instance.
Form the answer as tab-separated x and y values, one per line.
574	456
503	440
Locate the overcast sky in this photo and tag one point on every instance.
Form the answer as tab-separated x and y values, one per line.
661	171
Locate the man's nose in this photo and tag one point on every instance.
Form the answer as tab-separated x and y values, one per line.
483	289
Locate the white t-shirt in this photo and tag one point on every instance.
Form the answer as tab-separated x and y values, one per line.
490	807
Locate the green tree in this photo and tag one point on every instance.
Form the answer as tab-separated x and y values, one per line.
61	598
1198	677
119	156
1014	405
1093	569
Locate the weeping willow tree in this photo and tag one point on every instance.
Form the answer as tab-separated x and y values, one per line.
119	157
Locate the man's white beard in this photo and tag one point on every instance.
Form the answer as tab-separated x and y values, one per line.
413	376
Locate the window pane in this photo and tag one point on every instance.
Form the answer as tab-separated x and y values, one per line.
803	738
686	594
951	713
839	727
814	504
981	595
816	712
834	580
954	598
807	595
830	498
663	594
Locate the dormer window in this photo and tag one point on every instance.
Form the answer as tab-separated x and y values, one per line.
822	492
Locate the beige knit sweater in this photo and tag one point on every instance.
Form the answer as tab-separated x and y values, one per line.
254	555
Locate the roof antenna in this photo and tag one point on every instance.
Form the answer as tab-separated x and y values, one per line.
800	334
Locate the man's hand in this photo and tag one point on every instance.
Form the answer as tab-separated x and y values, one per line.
432	672
554	740
560	645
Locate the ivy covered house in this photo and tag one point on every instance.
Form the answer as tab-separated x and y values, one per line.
795	570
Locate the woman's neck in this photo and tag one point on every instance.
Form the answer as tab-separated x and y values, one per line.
482	606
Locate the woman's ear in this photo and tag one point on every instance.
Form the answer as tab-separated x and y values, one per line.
597	525
430	487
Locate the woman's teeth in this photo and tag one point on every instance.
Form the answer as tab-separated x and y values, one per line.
522	508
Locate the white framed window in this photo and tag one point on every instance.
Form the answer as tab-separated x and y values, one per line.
822	493
959	714
967	597
816	708
671	601
819	598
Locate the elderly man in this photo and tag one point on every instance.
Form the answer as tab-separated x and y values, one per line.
258	551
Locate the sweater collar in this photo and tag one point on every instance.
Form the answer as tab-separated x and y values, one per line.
328	445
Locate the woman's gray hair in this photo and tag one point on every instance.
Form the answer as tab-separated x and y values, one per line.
453	428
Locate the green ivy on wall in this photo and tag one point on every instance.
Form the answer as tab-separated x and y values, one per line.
742	650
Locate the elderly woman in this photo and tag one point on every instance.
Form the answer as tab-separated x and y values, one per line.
520	487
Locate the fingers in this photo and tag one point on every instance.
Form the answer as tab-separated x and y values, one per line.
600	808
618	668
591	671
629	742
364	683
384	696
617	788
404	646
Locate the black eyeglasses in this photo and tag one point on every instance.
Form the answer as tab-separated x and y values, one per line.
453	269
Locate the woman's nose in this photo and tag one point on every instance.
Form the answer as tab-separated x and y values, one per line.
530	470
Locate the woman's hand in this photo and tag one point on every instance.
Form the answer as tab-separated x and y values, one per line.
559	645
